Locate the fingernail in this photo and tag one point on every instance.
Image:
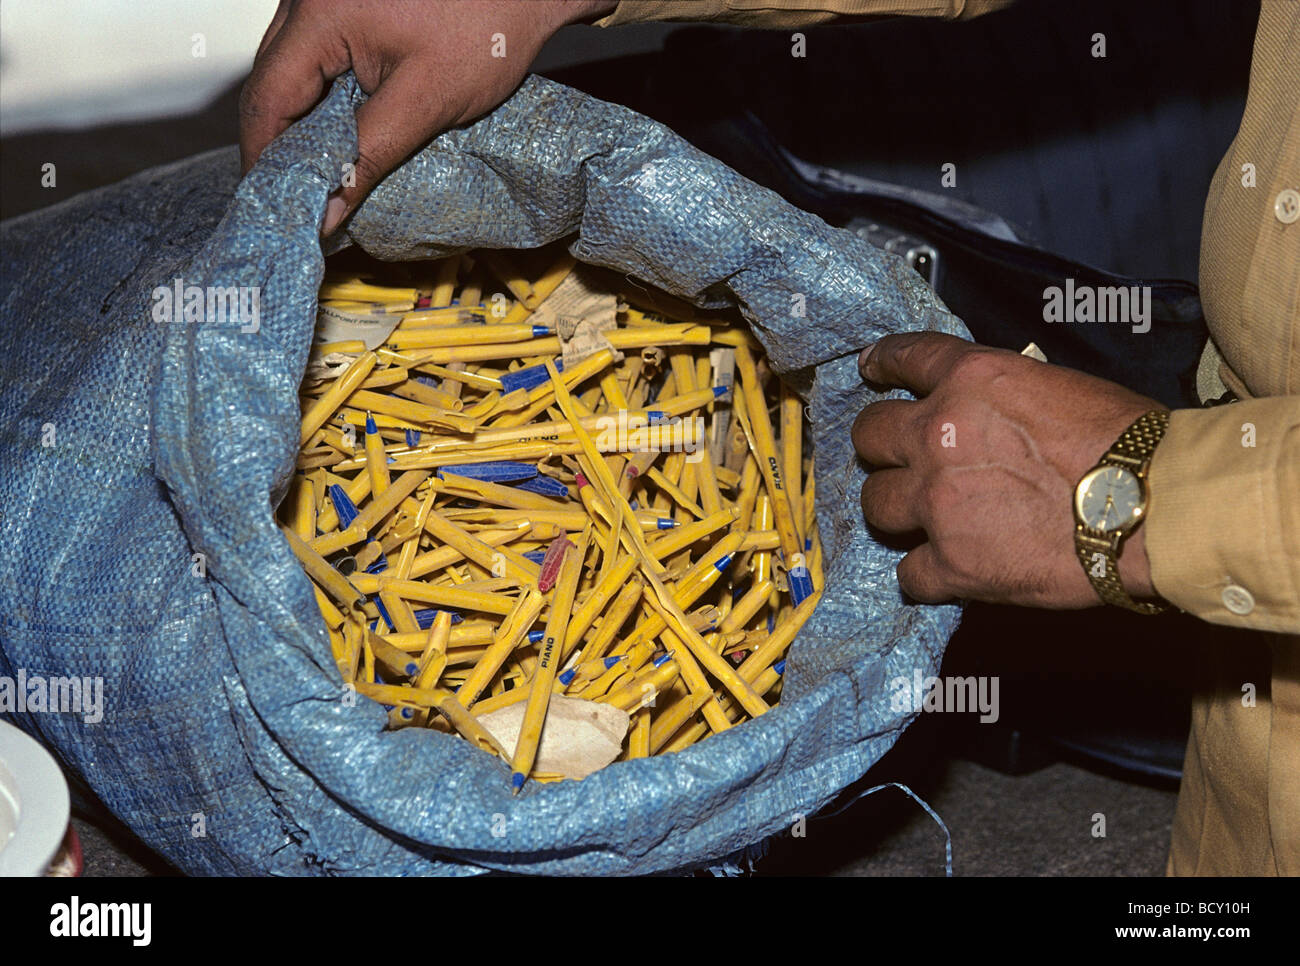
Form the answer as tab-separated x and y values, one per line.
864	357
335	209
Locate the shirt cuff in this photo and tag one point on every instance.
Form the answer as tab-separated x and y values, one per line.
1223	523
791	13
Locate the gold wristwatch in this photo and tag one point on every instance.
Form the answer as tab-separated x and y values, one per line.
1109	503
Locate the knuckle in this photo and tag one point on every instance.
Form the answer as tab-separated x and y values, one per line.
940	500
964	563
909	349
935	427
930	502
976	366
963	568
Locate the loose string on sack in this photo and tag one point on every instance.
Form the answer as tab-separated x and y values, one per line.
947	836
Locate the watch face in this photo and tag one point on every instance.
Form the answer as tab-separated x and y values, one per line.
1109	499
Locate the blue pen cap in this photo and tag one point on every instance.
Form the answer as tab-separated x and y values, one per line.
541	330
383	612
425	617
530	377
801	585
379	566
546	486
498	471
343	506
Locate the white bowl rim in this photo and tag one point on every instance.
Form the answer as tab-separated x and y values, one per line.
37	785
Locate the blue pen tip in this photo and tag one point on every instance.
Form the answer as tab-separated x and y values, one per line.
779	666
611	661
411	668
566	677
517	781
665	523
408	713
535	636
723	563
541	330
720	391
370	424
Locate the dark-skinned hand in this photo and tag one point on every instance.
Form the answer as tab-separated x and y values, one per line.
427	65
983	465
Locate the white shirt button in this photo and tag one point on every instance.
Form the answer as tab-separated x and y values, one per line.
1238	600
1287	206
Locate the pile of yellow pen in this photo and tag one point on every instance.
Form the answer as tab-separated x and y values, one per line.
485	528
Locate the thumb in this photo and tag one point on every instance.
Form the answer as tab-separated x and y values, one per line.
399	118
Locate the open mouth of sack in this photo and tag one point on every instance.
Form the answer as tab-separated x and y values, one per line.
547	509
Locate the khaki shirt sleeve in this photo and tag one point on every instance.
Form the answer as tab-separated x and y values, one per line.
791	13
1223	530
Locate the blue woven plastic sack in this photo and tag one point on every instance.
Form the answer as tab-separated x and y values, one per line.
131	446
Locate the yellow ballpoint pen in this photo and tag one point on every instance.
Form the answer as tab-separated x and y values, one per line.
548	664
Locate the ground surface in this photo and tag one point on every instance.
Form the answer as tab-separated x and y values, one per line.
1036	824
